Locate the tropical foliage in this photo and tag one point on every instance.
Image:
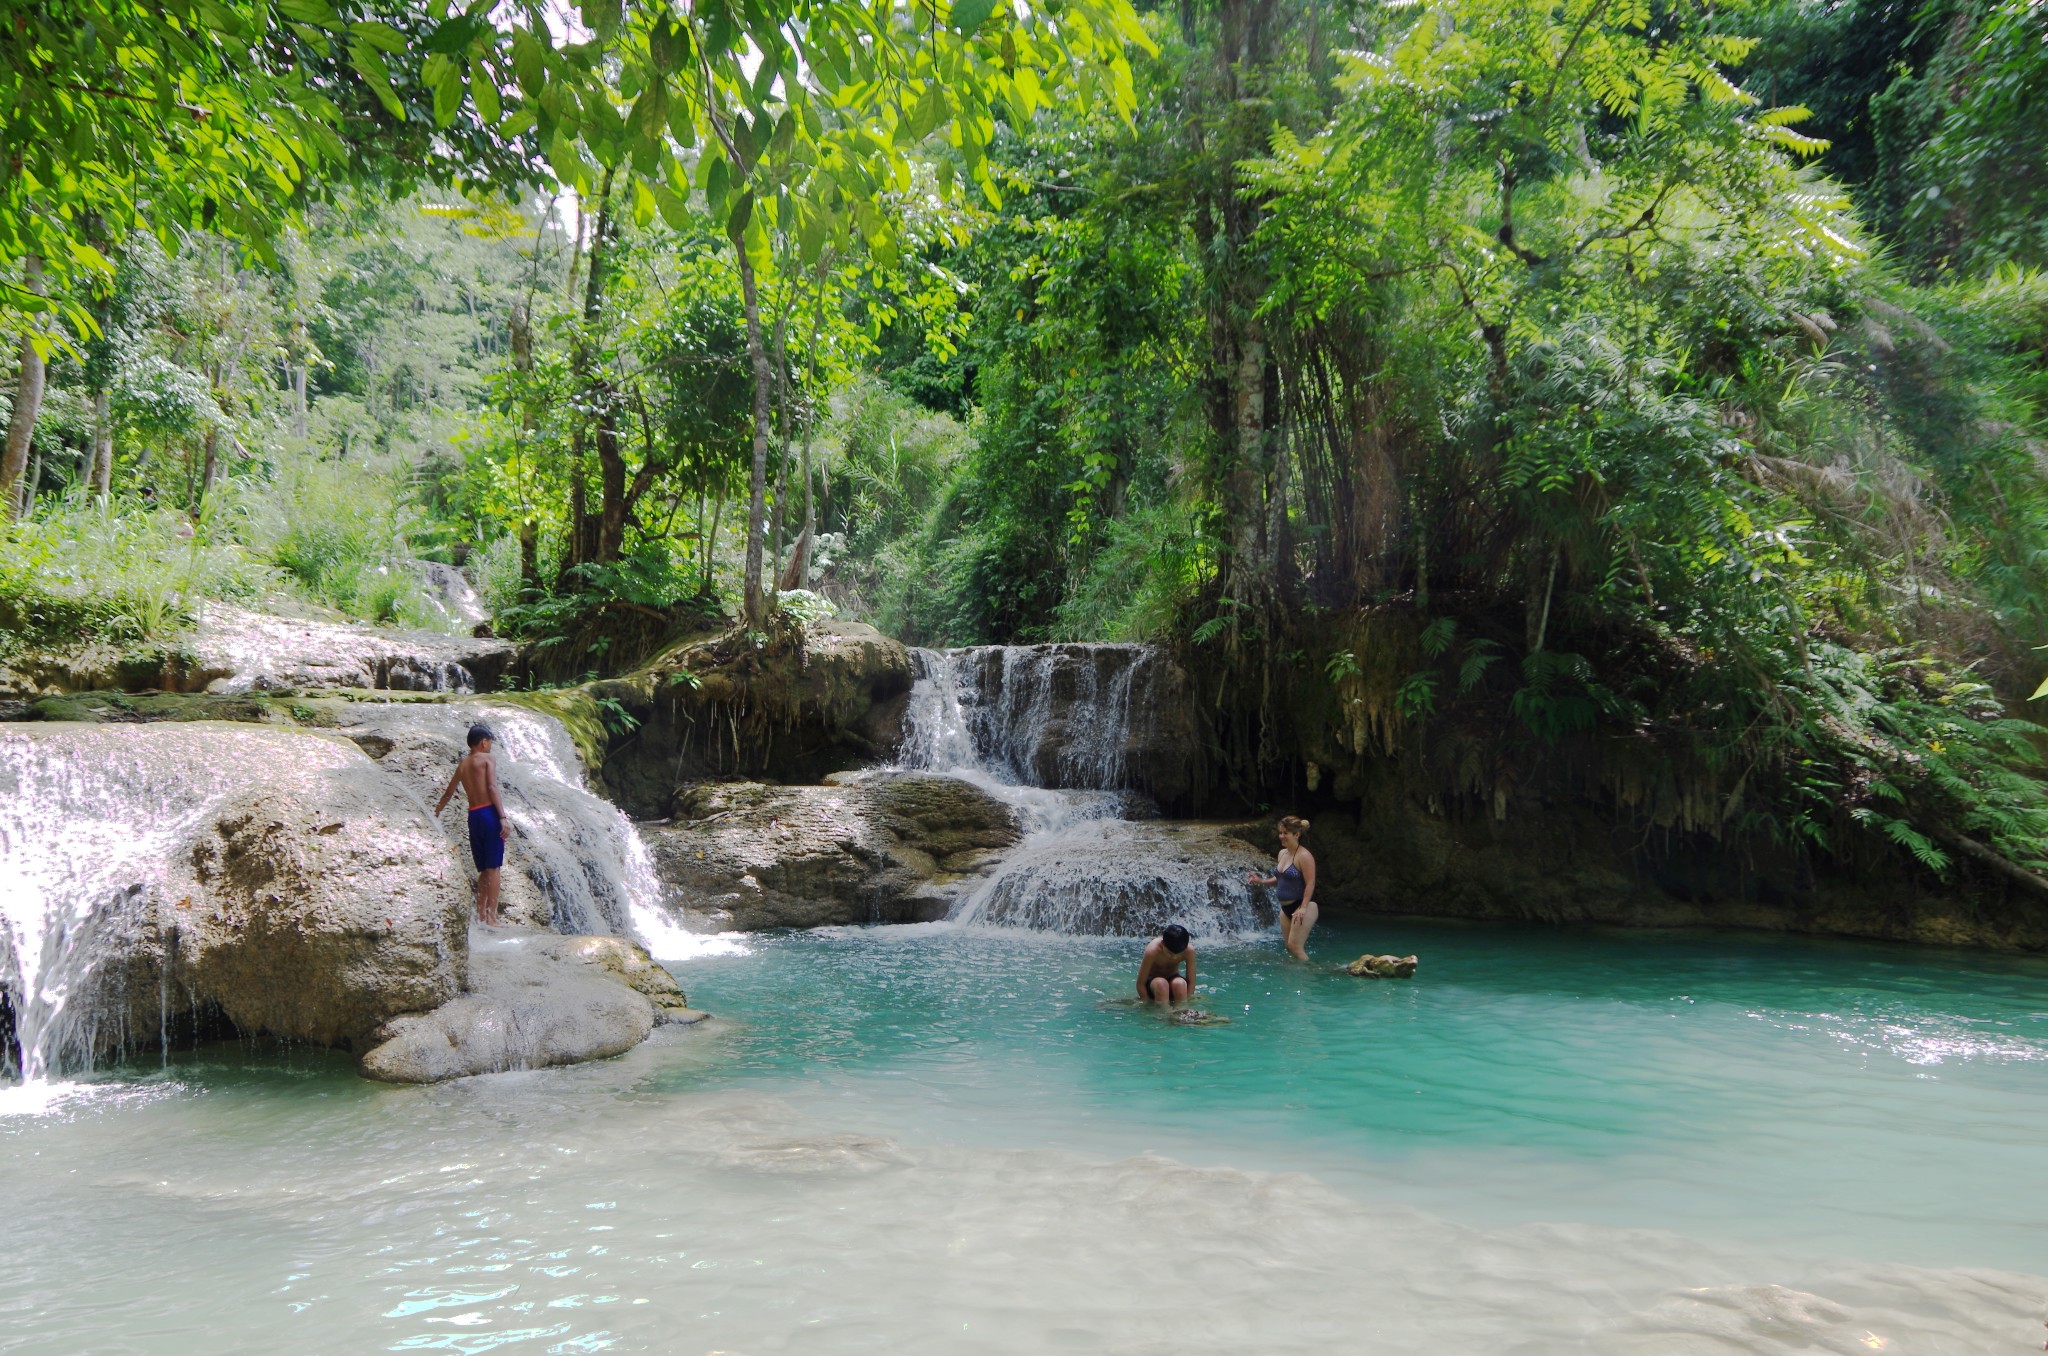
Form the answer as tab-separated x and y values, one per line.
1596	376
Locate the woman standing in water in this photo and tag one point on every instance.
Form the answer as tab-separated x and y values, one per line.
1296	878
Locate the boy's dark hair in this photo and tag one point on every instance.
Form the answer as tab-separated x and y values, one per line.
478	734
1175	936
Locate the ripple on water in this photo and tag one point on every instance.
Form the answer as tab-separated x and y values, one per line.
925	1142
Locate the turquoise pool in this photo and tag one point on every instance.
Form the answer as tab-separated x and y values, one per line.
935	1139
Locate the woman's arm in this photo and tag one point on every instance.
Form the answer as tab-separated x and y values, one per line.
1306	860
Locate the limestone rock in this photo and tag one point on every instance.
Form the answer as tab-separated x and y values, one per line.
1383	967
628	963
890	847
274	878
238	650
532	1003
716	707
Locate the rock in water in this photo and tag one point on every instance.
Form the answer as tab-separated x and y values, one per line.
535	1000
889	847
237	650
1382	967
180	874
709	708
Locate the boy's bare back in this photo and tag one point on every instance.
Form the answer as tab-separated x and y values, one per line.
478	775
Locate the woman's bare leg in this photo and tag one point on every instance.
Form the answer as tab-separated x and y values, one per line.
1297	934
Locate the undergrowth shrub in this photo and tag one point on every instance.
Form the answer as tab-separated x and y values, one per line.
117	575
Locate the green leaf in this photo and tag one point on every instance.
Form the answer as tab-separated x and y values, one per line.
742	212
970	15
529	62
371	67
316	12
484	91
674	210
448	89
644	205
381	36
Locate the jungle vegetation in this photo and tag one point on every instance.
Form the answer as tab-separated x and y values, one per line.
1589	376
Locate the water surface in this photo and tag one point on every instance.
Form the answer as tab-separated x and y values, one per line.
932	1140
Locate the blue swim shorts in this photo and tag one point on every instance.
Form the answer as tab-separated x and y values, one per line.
486	838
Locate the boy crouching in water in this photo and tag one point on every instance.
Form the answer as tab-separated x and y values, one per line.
477	774
1159	977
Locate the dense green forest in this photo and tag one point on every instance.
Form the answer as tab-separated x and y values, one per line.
1587	376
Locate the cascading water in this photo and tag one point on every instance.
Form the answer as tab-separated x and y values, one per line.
1047	729
90	928
579	851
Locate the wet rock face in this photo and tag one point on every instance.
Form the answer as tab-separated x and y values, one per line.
239	650
566	862
1116	878
713	708
195	872
1077	717
533	1002
886	847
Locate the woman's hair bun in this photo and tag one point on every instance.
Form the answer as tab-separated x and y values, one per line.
1294	824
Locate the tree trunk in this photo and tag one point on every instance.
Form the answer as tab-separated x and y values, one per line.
209	469
299	400
1230	128
754	599
586	531
28	404
529	559
611	479
781	365
101	475
33	485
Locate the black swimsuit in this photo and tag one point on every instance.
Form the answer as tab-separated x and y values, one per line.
1291	884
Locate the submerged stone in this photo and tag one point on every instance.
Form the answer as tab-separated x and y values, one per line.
1382	967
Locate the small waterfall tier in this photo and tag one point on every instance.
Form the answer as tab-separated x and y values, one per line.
1066	734
1070	717
1119	878
585	868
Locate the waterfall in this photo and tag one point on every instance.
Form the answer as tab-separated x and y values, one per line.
578	850
1036	715
1048	729
85	919
90	924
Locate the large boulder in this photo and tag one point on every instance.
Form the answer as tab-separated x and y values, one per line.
534	1000
886	847
827	698
190	874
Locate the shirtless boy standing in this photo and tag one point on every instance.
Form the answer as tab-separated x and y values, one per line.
1159	977
477	774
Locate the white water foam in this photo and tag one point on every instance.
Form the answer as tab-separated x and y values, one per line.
82	847
983	716
578	849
